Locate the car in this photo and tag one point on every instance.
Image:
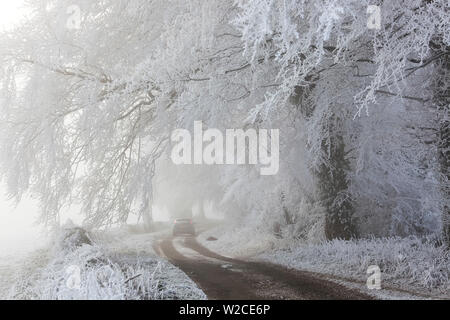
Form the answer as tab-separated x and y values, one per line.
183	226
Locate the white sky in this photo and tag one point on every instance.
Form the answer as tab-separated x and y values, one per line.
11	11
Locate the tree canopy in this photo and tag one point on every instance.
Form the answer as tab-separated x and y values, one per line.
87	113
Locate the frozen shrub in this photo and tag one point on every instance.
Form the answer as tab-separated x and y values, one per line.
79	267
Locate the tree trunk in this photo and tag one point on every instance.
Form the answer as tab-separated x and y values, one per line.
288	218
333	187
441	100
201	210
333	184
147	217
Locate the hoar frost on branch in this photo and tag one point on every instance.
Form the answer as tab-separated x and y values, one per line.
87	113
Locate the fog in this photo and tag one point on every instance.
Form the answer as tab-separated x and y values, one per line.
18	229
11	12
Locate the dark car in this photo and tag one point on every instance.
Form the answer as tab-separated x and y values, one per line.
183	226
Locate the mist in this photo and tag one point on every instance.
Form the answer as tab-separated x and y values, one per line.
152	146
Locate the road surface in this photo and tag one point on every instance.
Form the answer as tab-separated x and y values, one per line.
225	278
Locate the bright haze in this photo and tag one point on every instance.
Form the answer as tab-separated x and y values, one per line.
11	11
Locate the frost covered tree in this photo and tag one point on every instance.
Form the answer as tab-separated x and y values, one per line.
87	112
326	55
73	115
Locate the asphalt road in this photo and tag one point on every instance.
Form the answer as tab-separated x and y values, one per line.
225	278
